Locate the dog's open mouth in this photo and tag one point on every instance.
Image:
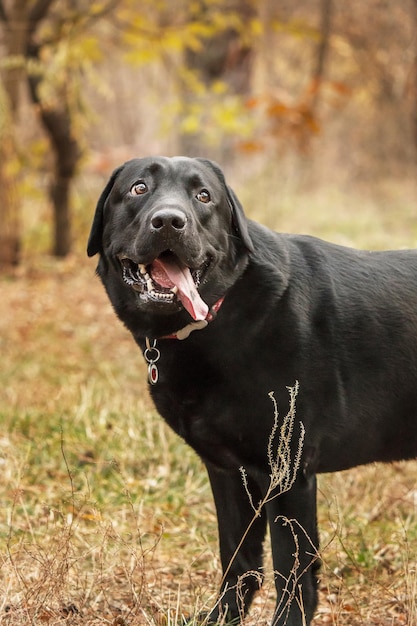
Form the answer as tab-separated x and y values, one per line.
166	280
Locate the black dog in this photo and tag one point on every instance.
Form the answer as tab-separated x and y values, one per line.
175	249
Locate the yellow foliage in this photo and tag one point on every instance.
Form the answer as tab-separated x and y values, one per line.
256	27
191	82
89	49
215	116
147	42
219	87
147	39
297	28
230	116
191	123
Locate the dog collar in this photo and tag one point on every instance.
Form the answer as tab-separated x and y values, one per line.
152	353
185	332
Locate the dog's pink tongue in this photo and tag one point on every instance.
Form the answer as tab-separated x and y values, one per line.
168	274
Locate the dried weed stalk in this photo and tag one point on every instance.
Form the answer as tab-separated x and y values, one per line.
284	466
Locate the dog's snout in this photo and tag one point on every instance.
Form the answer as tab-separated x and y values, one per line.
168	219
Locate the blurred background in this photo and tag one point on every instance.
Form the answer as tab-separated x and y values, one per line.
310	108
314	100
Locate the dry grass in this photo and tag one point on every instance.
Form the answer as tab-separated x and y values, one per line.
107	517
93	485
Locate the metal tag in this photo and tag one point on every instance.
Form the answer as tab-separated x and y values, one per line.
152	355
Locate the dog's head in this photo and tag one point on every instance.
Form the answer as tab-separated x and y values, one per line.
171	233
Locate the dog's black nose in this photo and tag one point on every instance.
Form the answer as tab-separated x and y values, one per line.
168	219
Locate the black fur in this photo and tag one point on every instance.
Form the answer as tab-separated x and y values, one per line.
342	322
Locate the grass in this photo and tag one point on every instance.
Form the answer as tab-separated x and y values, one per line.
84	458
107	516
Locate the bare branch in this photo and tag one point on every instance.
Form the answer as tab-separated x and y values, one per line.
322	50
325	31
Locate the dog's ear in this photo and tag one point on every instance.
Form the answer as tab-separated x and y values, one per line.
239	221
94	245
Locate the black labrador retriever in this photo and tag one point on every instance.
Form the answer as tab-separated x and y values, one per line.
226	311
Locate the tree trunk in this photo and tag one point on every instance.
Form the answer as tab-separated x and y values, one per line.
326	8
9	197
57	123
9	207
67	155
60	196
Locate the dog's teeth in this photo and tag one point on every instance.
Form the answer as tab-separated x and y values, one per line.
157	295
149	284
174	289
142	269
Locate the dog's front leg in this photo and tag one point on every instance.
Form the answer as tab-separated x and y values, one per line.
241	534
294	537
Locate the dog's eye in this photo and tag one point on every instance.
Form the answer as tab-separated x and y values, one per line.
139	188
203	196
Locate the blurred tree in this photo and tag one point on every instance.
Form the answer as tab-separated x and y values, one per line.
56	120
9	102
51	45
225	52
319	69
9	199
291	117
39	35
220	57
188	69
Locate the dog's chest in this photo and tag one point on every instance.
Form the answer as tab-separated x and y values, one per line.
207	401
194	404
